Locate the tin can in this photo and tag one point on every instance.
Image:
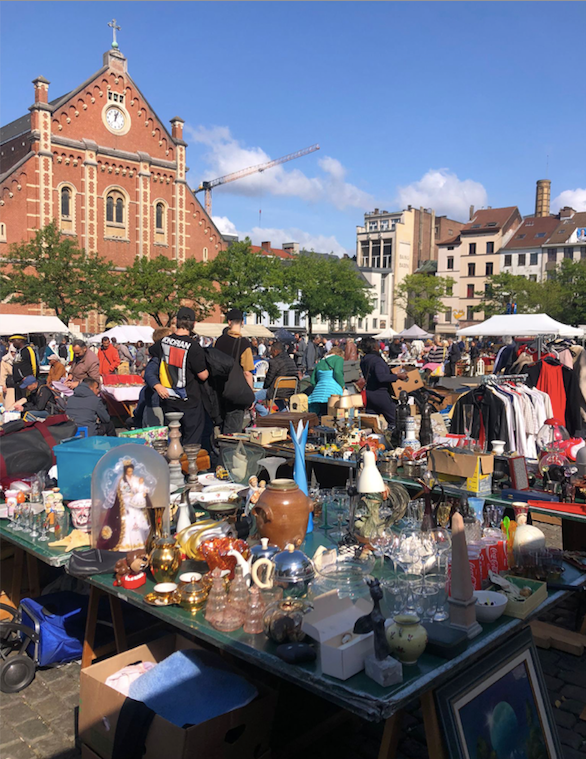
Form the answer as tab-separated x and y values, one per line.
491	547
475	569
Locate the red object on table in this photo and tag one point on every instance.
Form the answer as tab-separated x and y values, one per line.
131	582
578	509
122	379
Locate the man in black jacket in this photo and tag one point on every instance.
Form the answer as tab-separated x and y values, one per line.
38	400
280	365
85	407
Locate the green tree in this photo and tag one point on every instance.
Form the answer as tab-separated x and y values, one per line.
250	281
566	292
159	286
505	288
421	296
52	270
327	286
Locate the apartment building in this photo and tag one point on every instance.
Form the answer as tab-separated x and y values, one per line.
524	253
390	246
567	241
448	266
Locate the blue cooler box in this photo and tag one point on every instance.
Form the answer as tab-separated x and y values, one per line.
76	460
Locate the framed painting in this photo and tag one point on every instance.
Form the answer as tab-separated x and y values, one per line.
499	708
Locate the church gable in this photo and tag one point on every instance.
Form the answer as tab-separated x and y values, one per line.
110	110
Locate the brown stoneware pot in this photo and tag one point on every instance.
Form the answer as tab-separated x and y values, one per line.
282	512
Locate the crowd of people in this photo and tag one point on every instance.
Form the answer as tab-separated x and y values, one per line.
222	385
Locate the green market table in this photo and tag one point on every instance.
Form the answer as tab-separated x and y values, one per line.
359	694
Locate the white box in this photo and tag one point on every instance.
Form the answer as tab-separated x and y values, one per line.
331	619
266	435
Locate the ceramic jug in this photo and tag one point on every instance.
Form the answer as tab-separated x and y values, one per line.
282	513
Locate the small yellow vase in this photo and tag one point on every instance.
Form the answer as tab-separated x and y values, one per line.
407	638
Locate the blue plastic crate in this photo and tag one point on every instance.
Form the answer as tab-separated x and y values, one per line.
76	460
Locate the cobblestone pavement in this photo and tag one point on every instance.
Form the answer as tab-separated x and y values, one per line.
39	722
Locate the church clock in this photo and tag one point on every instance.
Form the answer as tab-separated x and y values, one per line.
115	119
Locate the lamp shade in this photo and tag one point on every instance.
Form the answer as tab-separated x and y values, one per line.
345	402
370	480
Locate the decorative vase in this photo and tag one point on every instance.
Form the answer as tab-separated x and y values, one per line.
183	518
282	513
191	451
407	638
299	438
175	449
155	516
165	559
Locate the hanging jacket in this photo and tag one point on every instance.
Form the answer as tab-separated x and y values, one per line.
489	420
552	377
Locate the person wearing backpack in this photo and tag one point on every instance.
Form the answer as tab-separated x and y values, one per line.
182	369
238	393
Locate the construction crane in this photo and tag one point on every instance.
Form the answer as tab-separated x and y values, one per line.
208	186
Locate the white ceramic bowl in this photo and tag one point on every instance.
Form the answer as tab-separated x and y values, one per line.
81	512
485	613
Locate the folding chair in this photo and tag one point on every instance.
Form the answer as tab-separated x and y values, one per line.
283	383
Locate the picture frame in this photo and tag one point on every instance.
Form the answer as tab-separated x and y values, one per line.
499	705
518	472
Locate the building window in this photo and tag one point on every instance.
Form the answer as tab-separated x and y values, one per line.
65	203
533	278
372	226
569	253
205	254
374	323
383	285
508	259
365	253
450	247
582	254
285	318
384	225
359	323
297	318
273	321
470	313
450	290
489	269
451	263
115	208
489	247
552	255
375	254
375	304
387	254
366	325
533	259
448	315
471	270
470	291
522	259
472	249
2	232
488	289
159	216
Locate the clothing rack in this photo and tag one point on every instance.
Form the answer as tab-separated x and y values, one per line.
497	379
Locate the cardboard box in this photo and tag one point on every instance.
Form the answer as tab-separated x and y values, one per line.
413	382
239	734
332	618
470	471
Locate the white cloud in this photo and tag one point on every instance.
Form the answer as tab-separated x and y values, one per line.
258	235
445	193
576	199
225	155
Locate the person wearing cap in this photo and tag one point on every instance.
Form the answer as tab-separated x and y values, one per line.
232	343
56	369
38	399
108	357
182	369
25	363
84	364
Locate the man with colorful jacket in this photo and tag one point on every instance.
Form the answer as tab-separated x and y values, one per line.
25	363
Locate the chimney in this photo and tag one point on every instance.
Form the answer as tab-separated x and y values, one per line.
471	212
41	89
542	197
291	247
177	127
266	246
376	210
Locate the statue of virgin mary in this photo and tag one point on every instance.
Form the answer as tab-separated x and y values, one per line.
126	526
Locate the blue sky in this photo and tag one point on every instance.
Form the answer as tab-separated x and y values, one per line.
436	104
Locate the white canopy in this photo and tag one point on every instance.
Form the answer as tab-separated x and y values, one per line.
385	334
414	333
126	333
520	325
21	324
206	329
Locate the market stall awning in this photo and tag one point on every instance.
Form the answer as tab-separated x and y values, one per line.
414	333
12	324
206	329
126	333
385	334
520	325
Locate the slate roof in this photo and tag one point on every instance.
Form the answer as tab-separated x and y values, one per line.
566	227
488	220
533	232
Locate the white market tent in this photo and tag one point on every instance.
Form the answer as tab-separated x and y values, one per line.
520	325
126	333
206	329
385	334
414	333
12	324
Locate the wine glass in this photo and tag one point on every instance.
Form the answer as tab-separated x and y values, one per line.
34	522
440	581
442	539
468	416
442	514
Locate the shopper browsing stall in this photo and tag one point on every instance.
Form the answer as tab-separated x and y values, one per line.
378	378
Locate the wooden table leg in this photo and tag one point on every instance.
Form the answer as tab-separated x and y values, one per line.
118	624
88	655
16	590
390	739
32	567
433	735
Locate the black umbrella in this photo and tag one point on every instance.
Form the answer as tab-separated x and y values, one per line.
285	336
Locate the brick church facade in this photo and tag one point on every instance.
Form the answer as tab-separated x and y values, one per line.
102	164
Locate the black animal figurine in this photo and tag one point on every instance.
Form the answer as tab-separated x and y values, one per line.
425	411
374	622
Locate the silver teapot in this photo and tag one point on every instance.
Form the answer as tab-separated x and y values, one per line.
290	569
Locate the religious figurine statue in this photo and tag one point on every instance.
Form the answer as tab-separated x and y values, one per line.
127	527
374	622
